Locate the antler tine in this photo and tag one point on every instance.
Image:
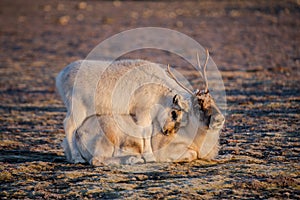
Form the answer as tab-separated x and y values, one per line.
199	65
180	84
204	71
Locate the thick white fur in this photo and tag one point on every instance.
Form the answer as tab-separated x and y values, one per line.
116	114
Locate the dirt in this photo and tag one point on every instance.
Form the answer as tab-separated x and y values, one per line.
256	47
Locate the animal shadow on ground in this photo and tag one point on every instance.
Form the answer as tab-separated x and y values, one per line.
21	156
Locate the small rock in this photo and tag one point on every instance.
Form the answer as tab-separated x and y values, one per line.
82	5
64	20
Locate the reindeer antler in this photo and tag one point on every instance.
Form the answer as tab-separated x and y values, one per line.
203	73
180	84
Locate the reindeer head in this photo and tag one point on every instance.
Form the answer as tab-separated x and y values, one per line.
200	99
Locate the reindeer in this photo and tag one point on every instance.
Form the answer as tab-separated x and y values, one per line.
161	120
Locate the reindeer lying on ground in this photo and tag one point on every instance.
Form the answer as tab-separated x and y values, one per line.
135	111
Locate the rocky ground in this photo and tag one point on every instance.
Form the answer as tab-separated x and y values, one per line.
256	47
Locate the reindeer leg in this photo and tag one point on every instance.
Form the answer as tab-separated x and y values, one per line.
70	149
147	151
142	119
69	143
148	154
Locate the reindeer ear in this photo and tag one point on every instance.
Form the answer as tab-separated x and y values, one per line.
175	99
179	103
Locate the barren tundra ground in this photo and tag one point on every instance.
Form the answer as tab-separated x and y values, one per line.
256	47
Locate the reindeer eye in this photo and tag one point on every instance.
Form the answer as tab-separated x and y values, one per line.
174	115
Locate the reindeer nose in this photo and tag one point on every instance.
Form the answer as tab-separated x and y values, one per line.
176	127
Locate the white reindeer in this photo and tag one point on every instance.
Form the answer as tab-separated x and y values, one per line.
132	111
